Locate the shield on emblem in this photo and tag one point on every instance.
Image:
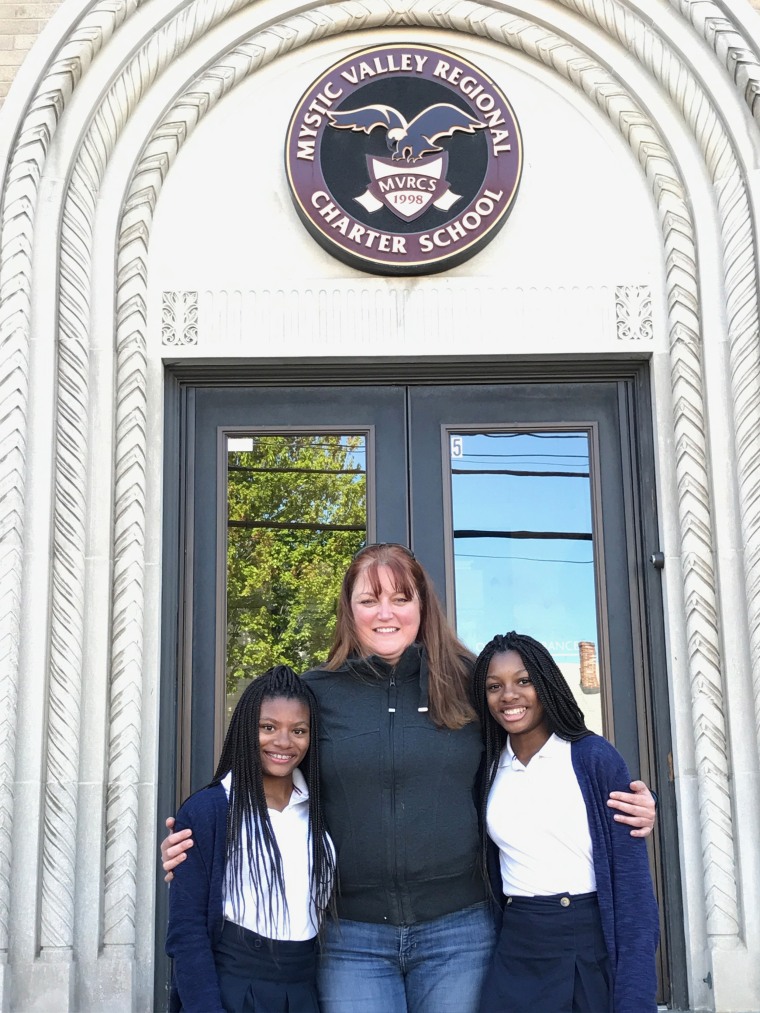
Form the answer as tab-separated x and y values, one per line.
408	188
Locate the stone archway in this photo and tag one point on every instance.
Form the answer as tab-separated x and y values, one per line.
55	313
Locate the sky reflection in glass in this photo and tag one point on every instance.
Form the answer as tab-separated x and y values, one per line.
523	549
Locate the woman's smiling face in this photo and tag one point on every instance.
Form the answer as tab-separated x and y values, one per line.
386	622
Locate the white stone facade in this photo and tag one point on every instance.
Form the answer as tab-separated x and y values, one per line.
643	243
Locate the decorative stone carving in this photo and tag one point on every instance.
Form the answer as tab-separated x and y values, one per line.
179	318
742	286
18	215
633	313
732	47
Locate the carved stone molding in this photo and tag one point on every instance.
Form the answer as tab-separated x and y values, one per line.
633	313
742	287
65	69
60	816
179	318
253	321
738	52
20	186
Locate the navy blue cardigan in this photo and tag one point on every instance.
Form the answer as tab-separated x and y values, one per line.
630	919
627	905
196	915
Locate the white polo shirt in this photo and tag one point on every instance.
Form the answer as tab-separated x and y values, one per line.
537	817
291	829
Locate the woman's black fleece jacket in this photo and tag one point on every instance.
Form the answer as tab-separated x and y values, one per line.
397	792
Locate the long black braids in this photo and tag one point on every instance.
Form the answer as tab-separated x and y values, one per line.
247	809
564	716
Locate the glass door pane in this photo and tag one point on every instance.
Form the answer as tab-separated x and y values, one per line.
521	505
296	515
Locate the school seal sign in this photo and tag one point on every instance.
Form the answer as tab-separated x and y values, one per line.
403	159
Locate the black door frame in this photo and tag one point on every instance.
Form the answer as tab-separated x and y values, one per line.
632	377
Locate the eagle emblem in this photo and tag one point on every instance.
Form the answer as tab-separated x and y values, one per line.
414	177
409	141
378	143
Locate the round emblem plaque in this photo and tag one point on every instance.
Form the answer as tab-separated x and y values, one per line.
403	159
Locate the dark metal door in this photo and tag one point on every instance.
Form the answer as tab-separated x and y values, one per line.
376	416
528	479
413	440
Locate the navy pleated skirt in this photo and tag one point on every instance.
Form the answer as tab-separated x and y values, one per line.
260	975
551	958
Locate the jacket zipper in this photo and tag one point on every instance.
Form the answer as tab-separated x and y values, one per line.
391	729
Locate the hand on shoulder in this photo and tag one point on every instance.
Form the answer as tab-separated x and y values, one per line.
173	848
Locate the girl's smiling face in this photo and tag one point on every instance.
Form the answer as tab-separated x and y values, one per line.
283	735
513	701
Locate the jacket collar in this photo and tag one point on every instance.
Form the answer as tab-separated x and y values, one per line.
413	664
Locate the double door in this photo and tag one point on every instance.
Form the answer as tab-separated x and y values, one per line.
516	498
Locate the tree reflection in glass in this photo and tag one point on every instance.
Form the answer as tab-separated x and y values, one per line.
296	515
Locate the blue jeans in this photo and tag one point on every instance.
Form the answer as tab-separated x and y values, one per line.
431	967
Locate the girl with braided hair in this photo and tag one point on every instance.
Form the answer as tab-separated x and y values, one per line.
580	921
246	907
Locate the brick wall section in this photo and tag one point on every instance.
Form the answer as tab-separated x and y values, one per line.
21	23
